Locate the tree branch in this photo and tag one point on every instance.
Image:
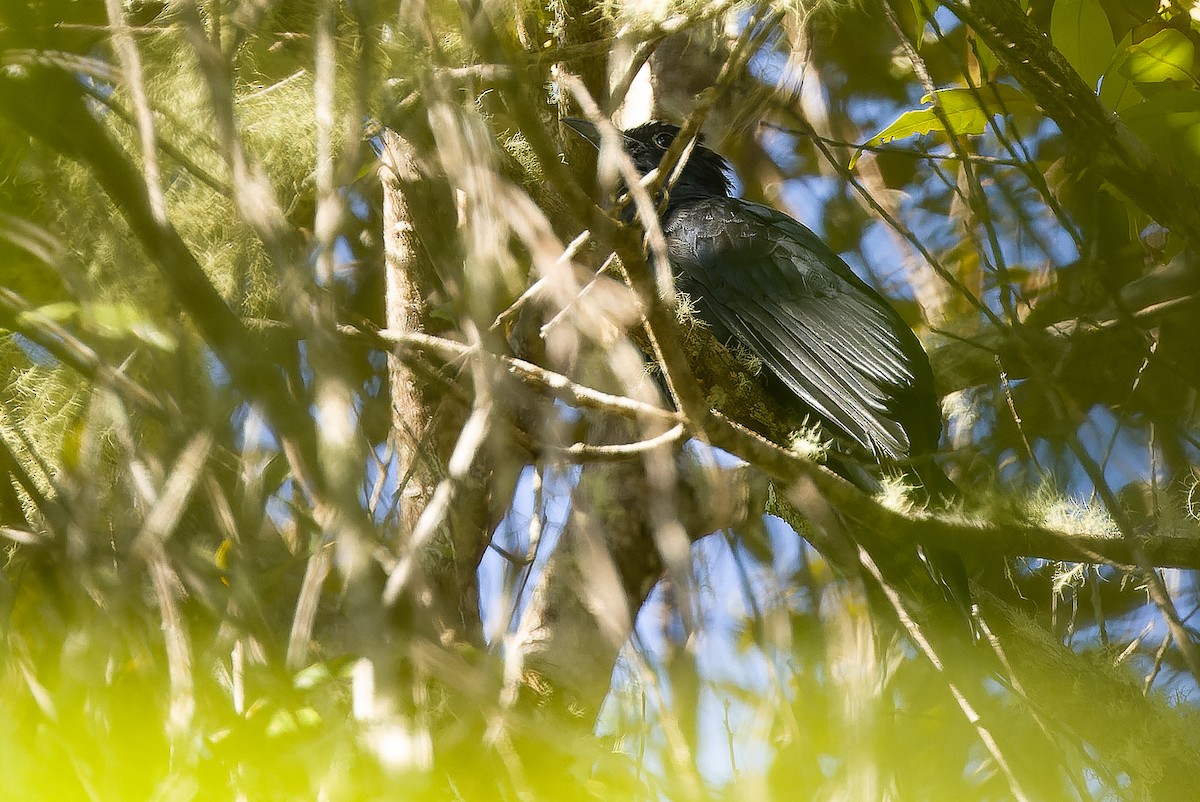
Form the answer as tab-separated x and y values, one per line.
969	538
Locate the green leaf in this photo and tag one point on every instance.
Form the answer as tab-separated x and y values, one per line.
112	321
919	13
1169	122
1081	32
987	59
966	112
120	321
1166	56
59	312
1116	90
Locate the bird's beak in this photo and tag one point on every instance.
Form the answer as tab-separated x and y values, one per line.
585	129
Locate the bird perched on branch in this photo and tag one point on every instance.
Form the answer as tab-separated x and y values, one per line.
833	349
831	346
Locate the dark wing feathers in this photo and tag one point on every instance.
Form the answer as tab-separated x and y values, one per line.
824	377
759	276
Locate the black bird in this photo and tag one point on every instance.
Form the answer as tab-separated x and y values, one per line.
833	348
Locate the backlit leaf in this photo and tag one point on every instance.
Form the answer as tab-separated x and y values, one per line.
1080	31
1166	56
965	112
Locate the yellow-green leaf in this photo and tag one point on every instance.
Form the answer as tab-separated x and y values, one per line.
59	312
1116	90
1080	31
920	12
119	321
1169	122
1166	56
965	112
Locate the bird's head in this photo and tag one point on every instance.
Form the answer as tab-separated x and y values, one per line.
704	175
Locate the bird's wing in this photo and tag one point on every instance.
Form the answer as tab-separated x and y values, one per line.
761	277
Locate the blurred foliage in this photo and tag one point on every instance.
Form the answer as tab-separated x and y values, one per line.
193	566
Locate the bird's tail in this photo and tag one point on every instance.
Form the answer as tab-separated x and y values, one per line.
938	490
945	566
948	571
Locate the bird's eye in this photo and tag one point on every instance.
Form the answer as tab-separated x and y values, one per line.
663	140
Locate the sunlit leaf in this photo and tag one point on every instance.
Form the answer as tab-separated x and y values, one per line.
119	321
58	312
312	676
965	111
1166	56
1080	31
221	556
112	321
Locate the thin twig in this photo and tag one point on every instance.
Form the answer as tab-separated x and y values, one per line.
316	570
1159	655
562	386
1013	538
536	288
584	452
